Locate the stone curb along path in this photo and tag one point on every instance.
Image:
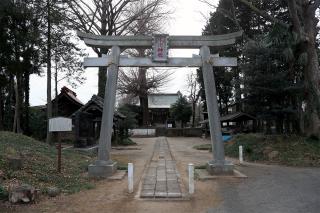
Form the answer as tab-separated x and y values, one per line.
161	178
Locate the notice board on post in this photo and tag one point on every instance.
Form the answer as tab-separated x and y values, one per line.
60	124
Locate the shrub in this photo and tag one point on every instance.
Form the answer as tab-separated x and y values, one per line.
38	123
3	193
126	142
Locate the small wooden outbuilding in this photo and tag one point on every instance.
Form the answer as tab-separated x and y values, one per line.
66	103
235	122
87	122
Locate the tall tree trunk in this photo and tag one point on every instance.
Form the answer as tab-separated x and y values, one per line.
143	91
287	125
237	89
10	101
144	110
193	113
312	72
26	101
56	103
300	121
49	103
268	127
279	125
20	99
102	77
17	111
1	108
305	26
220	105
143	96
102	74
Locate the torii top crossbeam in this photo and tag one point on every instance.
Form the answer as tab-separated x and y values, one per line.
175	42
188	42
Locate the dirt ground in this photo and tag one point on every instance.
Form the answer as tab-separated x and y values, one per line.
212	195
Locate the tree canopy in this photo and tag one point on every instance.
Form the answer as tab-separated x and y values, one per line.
181	110
277	70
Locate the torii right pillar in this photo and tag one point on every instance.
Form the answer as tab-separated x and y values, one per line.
218	165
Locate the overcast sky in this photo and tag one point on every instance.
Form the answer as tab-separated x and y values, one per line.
187	19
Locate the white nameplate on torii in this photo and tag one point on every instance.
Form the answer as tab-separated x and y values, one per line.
160	48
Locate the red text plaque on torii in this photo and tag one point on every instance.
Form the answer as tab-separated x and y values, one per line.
160	48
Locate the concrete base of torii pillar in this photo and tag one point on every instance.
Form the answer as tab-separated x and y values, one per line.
102	169
217	168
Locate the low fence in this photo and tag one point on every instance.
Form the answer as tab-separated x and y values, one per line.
143	132
179	132
168	132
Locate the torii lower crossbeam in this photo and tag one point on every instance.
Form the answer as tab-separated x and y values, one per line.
172	62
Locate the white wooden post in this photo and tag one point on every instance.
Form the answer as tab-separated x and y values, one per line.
191	178
240	154
130	177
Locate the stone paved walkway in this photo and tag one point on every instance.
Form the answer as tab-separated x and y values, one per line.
161	179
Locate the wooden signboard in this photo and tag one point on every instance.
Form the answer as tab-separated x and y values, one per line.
60	124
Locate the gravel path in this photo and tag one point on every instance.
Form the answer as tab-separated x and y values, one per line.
272	189
268	188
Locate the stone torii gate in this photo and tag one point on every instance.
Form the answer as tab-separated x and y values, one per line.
160	44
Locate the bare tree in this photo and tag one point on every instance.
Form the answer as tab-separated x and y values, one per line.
129	81
147	24
194	95
111	17
52	15
134	84
68	66
139	82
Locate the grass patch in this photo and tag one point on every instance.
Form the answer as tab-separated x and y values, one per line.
200	166
293	150
39	164
124	142
122	167
3	193
203	147
127	142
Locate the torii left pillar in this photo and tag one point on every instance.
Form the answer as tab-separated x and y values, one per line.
104	166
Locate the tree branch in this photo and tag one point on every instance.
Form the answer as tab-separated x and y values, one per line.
264	14
294	16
